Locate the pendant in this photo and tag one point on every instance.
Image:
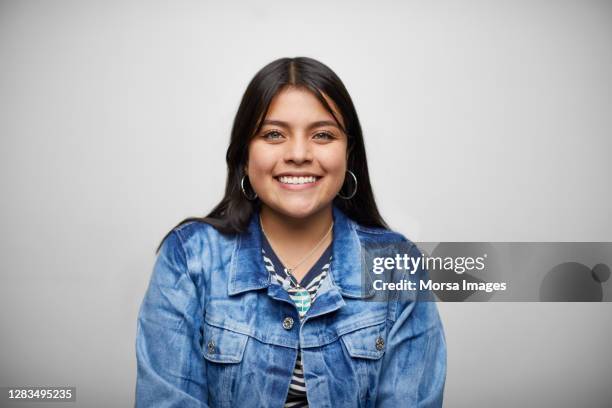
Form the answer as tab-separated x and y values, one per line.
302	301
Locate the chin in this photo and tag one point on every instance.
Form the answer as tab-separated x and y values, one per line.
299	211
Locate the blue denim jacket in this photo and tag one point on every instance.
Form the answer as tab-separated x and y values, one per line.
214	331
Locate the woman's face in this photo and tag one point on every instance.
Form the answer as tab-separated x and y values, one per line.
297	162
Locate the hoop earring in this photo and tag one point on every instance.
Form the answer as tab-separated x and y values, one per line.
354	191
244	191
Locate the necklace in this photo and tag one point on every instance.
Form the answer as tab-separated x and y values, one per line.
289	271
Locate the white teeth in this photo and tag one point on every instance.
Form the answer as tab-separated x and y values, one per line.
297	180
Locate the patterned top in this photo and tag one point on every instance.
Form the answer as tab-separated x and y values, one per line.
303	297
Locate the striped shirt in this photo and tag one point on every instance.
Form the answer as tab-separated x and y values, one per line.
303	297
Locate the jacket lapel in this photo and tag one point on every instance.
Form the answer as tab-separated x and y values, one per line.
347	274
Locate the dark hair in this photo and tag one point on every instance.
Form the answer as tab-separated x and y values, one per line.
233	213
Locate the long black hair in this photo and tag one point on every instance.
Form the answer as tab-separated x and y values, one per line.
233	213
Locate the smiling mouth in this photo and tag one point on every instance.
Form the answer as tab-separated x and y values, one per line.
302	180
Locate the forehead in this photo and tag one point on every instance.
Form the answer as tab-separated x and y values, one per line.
299	105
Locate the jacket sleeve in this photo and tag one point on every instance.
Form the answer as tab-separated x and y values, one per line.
413	371
170	367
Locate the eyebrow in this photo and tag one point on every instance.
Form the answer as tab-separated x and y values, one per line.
311	126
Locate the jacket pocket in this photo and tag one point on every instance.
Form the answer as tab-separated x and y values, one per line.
366	342
222	345
366	346
223	350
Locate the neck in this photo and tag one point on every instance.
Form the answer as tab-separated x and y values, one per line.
296	236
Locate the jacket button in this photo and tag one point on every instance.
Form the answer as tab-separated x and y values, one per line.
211	347
288	323
380	343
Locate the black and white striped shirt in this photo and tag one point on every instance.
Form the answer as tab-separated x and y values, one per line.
310	283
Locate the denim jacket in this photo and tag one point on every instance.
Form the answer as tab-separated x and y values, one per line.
213	330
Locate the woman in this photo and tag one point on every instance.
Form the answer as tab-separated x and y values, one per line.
268	301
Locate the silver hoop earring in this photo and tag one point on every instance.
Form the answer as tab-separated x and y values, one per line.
244	191
354	191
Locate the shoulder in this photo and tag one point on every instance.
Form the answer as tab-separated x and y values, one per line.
198	248
381	235
382	240
193	229
197	236
199	230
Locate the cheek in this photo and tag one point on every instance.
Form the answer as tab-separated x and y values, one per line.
334	164
261	163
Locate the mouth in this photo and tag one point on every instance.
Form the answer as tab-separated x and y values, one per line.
297	183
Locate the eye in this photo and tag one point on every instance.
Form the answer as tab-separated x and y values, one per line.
272	135
324	136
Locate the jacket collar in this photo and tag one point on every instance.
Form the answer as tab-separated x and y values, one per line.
247	270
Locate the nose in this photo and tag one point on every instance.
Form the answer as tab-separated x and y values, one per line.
298	150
